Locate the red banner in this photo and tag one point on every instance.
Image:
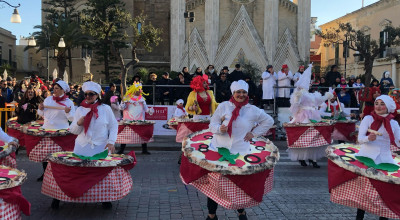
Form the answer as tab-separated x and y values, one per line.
160	113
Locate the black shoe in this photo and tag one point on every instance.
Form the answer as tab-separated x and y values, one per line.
243	217
40	179
360	214
55	204
215	218
314	164
303	163
146	152
106	205
383	218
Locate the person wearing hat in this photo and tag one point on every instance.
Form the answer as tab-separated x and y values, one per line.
180	111
233	128
285	77
57	109
166	92
237	74
386	83
269	81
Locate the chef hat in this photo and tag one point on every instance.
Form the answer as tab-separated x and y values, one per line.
180	101
305	79
63	85
237	85
390	104
92	86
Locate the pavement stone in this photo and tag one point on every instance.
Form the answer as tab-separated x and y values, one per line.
158	193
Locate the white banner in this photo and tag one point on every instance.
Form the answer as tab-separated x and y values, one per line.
161	115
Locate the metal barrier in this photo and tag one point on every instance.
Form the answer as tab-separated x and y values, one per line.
6	116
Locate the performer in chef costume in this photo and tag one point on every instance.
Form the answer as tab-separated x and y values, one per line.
180	111
375	149
57	118
331	107
134	108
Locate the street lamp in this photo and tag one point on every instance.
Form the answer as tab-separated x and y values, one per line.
190	16
61	44
15	18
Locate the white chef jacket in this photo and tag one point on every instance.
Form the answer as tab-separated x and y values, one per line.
54	118
101	131
296	77
379	149
284	80
5	137
324	113
269	81
249	115
179	113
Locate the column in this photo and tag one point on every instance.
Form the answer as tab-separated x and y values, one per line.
303	28
394	73
271	29
177	33
212	29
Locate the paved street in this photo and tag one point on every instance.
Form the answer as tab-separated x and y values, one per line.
158	193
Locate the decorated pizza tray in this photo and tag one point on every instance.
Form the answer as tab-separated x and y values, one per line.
264	155
172	122
343	155
308	124
67	158
6	149
339	121
35	129
192	120
12	123
136	122
10	177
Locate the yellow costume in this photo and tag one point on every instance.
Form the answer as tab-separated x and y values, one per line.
193	97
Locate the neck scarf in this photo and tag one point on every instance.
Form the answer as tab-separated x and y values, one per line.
235	112
93	111
379	120
181	108
330	108
60	99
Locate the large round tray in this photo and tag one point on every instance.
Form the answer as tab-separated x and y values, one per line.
264	155
308	124
180	120
10	177
12	123
6	149
343	155
68	159
136	122
35	129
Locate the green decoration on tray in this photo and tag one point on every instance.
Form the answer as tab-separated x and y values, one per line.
382	166
313	121
98	156
226	155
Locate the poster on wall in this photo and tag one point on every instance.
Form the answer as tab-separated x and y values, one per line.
161	115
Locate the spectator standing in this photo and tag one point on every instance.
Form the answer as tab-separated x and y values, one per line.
181	92
6	92
236	75
212	74
186	74
386	83
166	92
198	72
332	75
269	81
259	93
28	106
252	88
323	83
297	75
149	89
110	93
284	79
223	88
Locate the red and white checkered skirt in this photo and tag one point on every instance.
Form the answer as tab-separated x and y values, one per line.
129	136
310	138
8	161
9	211
226	193
45	147
359	193
115	186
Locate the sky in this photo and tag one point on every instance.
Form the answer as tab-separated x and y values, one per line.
30	11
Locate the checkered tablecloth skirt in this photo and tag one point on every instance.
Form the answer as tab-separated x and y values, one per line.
310	138
359	193
8	161
115	186
226	193
45	147
129	136
9	211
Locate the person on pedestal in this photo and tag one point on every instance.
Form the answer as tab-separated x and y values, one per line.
232	126
284	80
57	110
180	111
201	102
134	108
96	127
386	83
304	108
375	148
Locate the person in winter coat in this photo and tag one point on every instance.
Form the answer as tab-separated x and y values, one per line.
269	81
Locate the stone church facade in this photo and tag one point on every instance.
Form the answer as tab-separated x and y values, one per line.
224	31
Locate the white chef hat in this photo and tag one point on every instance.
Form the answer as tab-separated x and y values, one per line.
390	104
92	86
237	85
305	79
63	85
180	101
